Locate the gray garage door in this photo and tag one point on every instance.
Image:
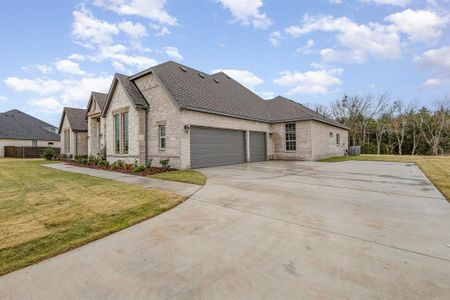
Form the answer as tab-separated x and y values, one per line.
213	147
257	146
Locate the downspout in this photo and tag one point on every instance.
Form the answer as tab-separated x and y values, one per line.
146	136
76	143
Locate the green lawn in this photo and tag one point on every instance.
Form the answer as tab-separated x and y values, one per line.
436	168
44	212
186	176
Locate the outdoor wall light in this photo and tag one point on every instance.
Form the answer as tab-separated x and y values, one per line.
270	134
187	128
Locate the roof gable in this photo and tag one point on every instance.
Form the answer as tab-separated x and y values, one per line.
76	118
99	99
15	124
131	90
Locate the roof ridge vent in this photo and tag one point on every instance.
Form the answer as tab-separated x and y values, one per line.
217	81
183	69
201	75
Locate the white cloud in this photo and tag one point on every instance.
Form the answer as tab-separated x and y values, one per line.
151	9
438	62
435	59
248	12
3	99
363	40
80	90
39	86
306	49
69	67
44	69
164	31
244	77
434	82
91	32
76	56
134	30
46	105
173	52
310	82
275	38
419	25
68	90
388	2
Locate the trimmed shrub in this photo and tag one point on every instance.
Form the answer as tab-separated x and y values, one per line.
48	153
139	168
103	163
165	163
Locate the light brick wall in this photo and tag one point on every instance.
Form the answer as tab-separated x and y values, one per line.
163	111
303	136
78	140
94	139
324	144
194	118
119	103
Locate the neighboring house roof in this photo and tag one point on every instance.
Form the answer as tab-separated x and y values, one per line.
220	94
100	99
131	90
15	124
76	119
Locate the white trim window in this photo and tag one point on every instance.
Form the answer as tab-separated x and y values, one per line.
121	137
162	137
67	141
290	135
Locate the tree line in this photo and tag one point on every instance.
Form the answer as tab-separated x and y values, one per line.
382	125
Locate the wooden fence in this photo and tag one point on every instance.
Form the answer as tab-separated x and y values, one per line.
27	152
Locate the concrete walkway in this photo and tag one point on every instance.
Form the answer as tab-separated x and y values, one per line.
269	230
180	188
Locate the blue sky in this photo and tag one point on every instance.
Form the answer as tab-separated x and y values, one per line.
53	53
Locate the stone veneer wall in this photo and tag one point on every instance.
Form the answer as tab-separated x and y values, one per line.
163	111
121	103
324	144
313	141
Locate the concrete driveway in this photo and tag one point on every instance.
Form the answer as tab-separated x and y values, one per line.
283	230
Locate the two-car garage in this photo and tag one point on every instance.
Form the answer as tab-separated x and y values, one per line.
217	146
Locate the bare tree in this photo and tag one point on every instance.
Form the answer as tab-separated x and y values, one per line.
432	125
399	122
382	125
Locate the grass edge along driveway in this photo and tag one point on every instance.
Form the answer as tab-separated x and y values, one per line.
436	168
186	176
45	212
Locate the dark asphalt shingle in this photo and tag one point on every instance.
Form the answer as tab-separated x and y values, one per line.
219	93
76	117
132	90
100	98
15	124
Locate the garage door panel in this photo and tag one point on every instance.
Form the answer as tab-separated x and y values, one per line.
213	146
257	146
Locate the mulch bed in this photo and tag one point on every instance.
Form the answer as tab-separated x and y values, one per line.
146	172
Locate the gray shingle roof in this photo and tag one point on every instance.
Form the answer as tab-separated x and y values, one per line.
219	93
100	98
76	117
283	109
132	90
15	124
